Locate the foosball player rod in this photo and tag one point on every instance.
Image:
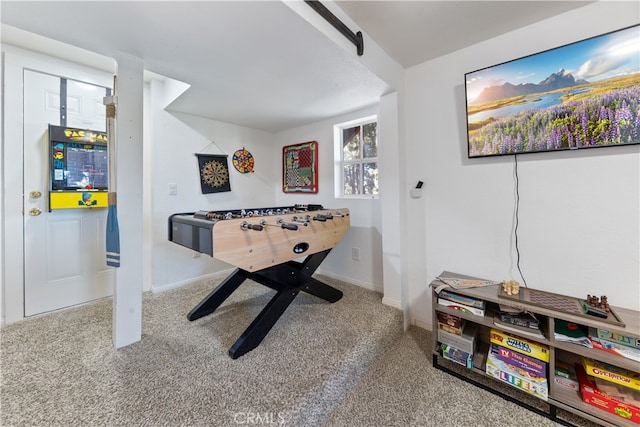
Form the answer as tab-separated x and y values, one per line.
322	218
301	221
280	224
287	225
246	226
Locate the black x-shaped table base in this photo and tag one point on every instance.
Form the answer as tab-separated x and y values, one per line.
286	279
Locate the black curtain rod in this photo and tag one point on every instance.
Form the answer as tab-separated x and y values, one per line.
355	38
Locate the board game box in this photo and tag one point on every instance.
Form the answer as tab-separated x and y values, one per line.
611	373
461	299
462	307
504	372
524	320
523	364
593	396
466	342
458	356
450	319
519	344
627	340
450	329
614	347
565	375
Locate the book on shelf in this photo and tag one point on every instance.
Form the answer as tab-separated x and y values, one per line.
571	332
518	330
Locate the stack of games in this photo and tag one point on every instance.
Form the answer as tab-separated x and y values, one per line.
610	388
462	303
519	362
450	323
565	375
459	348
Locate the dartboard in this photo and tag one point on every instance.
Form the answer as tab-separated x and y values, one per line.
243	161
214	174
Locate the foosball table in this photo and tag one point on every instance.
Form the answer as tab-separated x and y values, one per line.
265	245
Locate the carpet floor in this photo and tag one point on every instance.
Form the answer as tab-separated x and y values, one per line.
344	364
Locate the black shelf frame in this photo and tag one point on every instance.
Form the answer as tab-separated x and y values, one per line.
553	410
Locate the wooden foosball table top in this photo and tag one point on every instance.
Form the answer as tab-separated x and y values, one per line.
253	239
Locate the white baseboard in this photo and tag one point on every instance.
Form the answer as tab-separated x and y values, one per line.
421	324
392	303
175	285
370	286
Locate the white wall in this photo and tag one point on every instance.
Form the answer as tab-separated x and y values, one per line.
175	140
365	232
579	211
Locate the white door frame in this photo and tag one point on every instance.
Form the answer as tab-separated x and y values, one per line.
15	61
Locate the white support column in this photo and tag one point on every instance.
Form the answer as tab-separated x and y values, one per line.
127	291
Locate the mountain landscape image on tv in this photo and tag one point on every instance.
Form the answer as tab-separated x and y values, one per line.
582	95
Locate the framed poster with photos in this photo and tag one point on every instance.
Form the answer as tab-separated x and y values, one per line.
300	168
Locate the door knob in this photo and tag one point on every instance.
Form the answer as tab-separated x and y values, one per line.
35	194
34	211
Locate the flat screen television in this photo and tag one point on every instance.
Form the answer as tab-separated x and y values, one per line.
581	95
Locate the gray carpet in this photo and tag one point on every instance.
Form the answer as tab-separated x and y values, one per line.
342	364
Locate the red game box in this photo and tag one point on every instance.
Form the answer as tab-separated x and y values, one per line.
593	396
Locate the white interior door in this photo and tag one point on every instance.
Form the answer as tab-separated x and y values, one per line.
64	250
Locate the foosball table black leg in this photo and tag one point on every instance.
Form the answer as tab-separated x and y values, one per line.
262	324
322	290
212	301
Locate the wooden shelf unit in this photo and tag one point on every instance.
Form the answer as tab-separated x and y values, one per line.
559	397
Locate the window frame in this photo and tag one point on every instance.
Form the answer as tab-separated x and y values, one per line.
340	163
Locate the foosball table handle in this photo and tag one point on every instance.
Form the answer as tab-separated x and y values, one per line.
246	226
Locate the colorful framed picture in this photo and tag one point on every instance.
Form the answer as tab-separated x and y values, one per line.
300	168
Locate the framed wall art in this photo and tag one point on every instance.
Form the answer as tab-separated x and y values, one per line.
300	168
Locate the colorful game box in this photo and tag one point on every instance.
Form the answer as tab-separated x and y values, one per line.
504	372
457	355
627	340
462	307
521	363
614	347
521	345
593	396
450	319
450	329
611	373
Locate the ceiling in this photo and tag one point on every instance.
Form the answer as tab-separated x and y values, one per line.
258	63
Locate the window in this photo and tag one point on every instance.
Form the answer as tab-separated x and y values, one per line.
357	158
